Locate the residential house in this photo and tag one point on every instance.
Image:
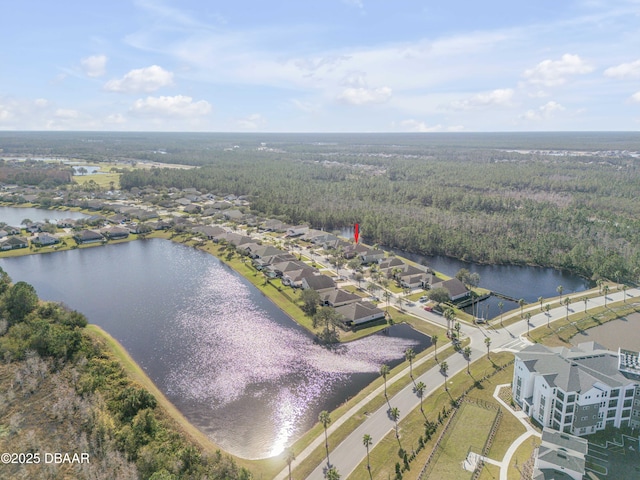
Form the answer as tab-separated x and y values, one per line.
13	243
372	256
297	230
88	236
455	287
209	231
295	278
4	233
358	313
235	215
577	390
338	297
560	456
44	239
318	283
115	233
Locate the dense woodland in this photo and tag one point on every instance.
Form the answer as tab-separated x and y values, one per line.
467	196
61	391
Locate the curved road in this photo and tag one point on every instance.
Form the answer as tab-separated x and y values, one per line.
350	452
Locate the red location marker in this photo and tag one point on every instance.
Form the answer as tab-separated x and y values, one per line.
356	232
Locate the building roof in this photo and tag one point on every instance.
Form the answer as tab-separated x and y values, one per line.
356	311
338	296
320	282
454	286
574	369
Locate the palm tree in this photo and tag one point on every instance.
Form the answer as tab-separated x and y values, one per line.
387	296
547	307
585	300
444	367
394	413
290	456
457	328
434	339
367	442
384	371
527	317
420	388
605	289
522	303
540	299
450	315
332	474
487	342
467	355
325	420
560	289
567	302
500	306
409	354
624	291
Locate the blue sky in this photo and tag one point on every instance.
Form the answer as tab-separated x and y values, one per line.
320	65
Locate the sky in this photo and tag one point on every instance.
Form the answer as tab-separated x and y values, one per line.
320	65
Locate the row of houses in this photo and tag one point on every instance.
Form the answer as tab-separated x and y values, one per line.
276	263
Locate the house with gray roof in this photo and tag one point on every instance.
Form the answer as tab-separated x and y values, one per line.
358	313
338	297
44	239
560	456
318	283
13	243
577	390
455	287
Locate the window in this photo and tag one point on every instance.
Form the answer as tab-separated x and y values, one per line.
613	403
571	398
628	393
627	403
615	392
611	413
560	396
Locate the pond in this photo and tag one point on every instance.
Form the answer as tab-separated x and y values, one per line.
231	361
14	216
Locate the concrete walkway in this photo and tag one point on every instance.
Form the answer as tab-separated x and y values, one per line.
350	452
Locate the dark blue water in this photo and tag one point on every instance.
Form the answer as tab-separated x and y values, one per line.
514	281
231	361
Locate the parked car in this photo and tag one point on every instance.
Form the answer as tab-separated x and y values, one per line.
423	299
428	308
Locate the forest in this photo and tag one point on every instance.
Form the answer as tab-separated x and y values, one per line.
79	400
563	200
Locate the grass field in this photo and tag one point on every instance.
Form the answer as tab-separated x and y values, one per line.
469	431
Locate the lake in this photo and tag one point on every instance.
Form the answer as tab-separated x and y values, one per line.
515	281
14	216
231	361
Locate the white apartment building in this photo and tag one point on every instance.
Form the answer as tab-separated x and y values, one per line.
578	390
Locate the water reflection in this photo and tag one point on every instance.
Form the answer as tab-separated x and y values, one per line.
232	362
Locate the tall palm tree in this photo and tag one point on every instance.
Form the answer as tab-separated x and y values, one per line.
420	388
527	317
325	420
409	354
585	300
332	474
547	307
487	342
467	355
605	289
387	296
540	299
444	367
599	283
522	303
290	457
501	306
367	442
384	371
394	413
624	291
560	289
434	339
450	315
567	302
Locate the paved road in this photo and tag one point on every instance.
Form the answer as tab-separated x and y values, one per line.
348	455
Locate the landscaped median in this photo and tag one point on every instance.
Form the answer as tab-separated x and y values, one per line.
394	385
448	458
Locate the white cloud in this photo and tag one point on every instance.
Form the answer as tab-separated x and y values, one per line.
66	114
95	65
115	118
551	73
148	79
500	97
251	122
636	97
41	102
543	112
624	70
365	96
412	125
177	106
